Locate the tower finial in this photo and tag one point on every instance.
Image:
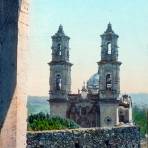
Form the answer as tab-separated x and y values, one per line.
60	30
84	87
84	83
109	28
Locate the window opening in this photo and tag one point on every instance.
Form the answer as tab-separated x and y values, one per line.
59	51
58	82
108	82
109	49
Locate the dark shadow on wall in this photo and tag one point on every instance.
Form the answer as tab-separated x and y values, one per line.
9	13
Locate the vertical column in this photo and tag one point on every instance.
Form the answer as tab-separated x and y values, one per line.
117	116
130	113
22	54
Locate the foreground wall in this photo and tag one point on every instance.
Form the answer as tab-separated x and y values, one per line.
13	53
125	137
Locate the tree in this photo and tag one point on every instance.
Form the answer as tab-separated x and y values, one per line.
140	119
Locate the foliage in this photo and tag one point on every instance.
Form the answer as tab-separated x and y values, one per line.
42	121
139	116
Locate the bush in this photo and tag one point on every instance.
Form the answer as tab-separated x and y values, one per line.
139	116
41	121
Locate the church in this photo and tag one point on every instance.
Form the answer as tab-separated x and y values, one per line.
99	103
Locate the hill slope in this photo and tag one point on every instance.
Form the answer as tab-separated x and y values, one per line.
36	104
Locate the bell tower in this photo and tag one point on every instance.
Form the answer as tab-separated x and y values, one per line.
109	78
60	67
109	66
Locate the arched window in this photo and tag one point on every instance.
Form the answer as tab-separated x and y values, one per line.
109	49
108	82
59	51
58	82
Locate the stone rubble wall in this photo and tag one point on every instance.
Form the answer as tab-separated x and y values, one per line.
118	137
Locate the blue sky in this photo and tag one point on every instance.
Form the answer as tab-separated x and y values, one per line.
84	21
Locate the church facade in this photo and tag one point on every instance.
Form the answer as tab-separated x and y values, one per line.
99	104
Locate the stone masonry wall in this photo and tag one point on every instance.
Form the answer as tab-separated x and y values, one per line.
123	137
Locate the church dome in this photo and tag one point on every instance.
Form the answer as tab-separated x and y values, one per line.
93	84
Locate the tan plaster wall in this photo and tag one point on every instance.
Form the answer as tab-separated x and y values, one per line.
13	132
22	74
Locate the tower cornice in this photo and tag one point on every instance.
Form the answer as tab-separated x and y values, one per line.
60	63
109	62
60	35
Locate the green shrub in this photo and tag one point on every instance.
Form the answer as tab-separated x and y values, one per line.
41	121
139	116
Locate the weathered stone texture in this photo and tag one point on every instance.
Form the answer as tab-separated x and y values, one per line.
108	110
125	137
58	109
13	51
85	112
